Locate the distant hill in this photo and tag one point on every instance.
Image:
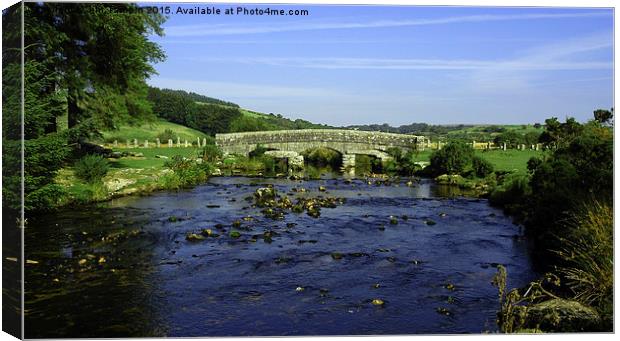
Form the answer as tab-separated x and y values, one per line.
211	116
192	96
466	132
414	128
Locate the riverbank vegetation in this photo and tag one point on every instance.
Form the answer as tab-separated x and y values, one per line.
565	203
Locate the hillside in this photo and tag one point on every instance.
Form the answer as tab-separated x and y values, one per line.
255	121
150	131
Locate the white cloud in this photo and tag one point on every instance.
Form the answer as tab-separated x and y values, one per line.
229	29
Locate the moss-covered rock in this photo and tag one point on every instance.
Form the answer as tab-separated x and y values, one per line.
559	315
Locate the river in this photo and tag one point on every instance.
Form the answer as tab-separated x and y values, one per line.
125	268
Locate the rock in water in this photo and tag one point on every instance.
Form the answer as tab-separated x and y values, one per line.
378	302
192	237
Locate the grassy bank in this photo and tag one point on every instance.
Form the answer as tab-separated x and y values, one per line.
142	172
150	131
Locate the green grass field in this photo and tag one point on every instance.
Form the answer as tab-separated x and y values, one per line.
511	160
150	160
149	131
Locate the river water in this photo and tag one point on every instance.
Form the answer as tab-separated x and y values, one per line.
125	268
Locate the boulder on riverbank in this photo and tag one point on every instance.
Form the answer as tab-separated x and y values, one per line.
560	315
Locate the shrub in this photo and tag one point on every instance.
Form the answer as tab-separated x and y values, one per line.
481	167
452	159
512	195
188	171
45	198
396	153
391	166
166	135
91	168
211	153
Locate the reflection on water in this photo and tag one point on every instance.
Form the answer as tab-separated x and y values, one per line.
154	282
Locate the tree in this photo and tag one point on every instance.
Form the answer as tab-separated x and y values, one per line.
452	159
100	54
481	167
85	67
578	170
603	116
531	137
212	119
558	135
511	138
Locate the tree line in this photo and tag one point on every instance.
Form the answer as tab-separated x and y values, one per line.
199	112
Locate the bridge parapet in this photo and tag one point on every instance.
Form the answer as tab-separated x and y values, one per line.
307	138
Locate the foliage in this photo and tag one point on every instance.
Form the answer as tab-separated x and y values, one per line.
166	135
511	138
211	153
85	64
566	210
603	116
558	135
414	128
212	119
588	254
514	303
42	159
323	157
249	123
408	163
189	172
481	166
91	168
171	105
180	107
452	159
511	193
581	168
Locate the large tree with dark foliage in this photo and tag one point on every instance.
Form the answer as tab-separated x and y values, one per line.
84	64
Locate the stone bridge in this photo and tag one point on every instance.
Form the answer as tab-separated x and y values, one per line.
291	143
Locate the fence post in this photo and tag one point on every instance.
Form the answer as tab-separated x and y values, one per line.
169	143
135	143
178	142
158	142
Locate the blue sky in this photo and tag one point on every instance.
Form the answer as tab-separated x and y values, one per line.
344	65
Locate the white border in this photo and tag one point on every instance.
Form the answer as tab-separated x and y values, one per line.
494	3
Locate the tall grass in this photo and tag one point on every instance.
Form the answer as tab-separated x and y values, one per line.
588	253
